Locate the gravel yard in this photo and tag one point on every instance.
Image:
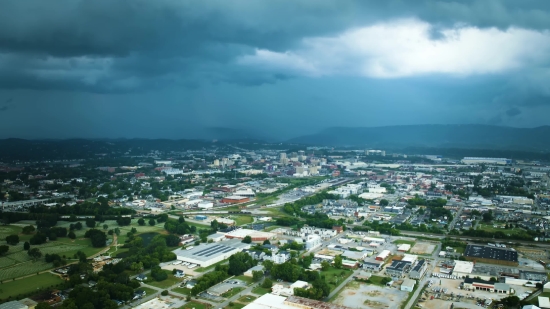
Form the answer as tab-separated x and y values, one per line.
362	295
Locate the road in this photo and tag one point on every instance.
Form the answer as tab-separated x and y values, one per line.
422	282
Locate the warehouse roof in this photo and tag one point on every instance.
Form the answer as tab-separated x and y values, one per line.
206	252
494	253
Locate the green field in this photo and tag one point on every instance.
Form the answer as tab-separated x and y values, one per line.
260	291
195	305
236	306
28	285
164	284
147	290
402	241
246	279
271	228
17	263
334	276
246	299
377	280
240	220
232	292
492	228
184	291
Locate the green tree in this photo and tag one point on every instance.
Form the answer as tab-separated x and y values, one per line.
72	235
141	222
152	222
90	222
268	265
247	239
325	265
338	261
34	253
12	239
43	305
105	226
488	216
239	263
4	249
267	284
29	229
26	246
267	242
384	202
257	275
214	225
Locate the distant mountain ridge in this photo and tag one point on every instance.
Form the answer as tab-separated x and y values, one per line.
442	136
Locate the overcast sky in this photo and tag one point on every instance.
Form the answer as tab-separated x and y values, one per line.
281	68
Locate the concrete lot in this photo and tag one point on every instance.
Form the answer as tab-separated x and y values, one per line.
362	295
187	271
465	302
423	248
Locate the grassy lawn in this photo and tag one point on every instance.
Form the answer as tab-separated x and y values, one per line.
334	276
377	280
203	269
198	226
246	299
232	292
236	306
402	241
240	220
271	228
260	291
28	285
196	305
492	228
245	279
184	291
164	284
147	290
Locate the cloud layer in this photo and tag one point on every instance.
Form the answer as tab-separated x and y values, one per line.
405	48
134	45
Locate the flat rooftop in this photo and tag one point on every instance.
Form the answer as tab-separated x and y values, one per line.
494	253
207	252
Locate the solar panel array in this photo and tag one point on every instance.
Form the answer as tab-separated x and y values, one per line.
217	249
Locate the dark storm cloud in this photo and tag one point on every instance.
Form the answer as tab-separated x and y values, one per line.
513	112
127	45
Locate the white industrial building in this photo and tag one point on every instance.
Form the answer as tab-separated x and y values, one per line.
383	255
463	268
481	160
205	255
408	285
313	241
205	205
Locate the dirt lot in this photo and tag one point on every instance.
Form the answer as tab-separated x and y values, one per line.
423	248
452	286
362	295
329	252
